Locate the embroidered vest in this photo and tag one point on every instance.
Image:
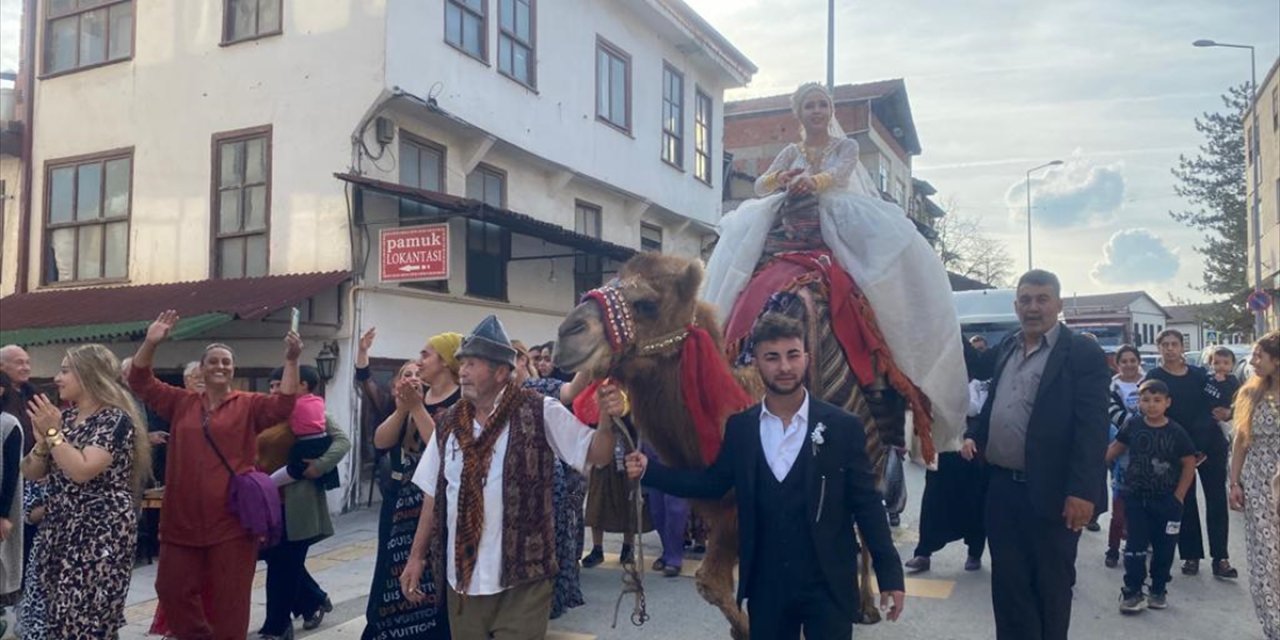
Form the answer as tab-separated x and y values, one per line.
528	519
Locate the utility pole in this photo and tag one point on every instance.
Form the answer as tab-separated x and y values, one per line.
831	46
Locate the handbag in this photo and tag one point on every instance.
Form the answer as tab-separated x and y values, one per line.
252	498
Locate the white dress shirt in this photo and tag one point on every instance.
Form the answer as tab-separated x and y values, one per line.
782	443
569	439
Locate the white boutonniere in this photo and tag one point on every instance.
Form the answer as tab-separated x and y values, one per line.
816	437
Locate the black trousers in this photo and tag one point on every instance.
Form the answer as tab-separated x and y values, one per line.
291	591
1033	563
952	506
1149	521
1213	474
778	613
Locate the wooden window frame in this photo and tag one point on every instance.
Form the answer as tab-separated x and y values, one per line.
585	280
49	227
485	167
227	40
504	255
215	170
531	45
699	98
48	18
613	50
661	236
484	28
677	162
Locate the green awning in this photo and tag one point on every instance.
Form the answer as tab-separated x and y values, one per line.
111	331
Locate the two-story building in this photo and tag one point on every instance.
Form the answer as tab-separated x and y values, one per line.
235	159
1115	319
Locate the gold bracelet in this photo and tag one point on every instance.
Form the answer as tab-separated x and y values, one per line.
823	181
771	182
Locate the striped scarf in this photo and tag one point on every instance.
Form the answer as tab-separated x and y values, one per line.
477	455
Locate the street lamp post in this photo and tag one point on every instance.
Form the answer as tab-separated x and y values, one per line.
1259	320
1054	163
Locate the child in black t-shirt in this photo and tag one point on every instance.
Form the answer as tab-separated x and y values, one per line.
1221	388
1162	465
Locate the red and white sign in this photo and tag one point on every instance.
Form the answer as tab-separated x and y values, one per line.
414	254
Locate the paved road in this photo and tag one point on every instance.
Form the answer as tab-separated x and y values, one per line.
946	603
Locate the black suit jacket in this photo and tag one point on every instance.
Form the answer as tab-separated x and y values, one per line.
1067	433
838	482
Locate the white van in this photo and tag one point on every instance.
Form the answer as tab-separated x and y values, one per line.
986	312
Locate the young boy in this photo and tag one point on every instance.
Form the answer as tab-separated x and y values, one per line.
1222	388
1162	464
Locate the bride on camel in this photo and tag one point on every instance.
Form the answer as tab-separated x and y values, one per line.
820	242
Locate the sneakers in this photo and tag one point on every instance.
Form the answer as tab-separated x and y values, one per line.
316	619
1223	569
594	558
973	563
1158	601
1190	567
1112	559
918	564
1132	602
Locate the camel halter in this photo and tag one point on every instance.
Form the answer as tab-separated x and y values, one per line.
620	324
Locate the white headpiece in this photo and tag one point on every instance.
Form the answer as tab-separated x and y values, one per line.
797	104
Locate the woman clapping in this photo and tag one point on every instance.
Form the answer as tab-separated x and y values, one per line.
95	456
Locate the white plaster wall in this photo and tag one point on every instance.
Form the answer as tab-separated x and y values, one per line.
11	174
558	120
311	84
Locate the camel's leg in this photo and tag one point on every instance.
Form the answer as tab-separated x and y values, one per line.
715	578
866	599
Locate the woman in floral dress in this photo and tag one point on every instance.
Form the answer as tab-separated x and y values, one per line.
1255	460
94	457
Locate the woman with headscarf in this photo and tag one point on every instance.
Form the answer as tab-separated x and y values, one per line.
820	229
94	457
423	390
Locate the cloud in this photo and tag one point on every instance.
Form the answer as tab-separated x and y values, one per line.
1077	193
1135	256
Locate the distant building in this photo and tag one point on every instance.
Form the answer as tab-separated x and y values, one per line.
1126	317
876	114
1188	318
1263	184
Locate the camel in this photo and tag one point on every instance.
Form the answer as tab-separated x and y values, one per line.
655	298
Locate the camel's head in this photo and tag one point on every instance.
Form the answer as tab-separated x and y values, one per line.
644	311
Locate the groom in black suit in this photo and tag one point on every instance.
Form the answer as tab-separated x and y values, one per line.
802	479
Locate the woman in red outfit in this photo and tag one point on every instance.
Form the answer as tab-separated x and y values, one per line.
201	544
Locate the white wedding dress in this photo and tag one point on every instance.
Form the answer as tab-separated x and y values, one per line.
881	250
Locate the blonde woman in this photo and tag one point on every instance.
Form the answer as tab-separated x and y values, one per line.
1255	461
95	457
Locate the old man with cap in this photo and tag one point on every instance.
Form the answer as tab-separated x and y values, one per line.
488	474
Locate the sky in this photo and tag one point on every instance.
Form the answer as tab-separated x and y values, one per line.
997	87
1110	87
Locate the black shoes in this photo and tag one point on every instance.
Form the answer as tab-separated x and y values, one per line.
1223	569
1093	526
627	556
973	563
594	558
1112	559
1190	567
918	564
895	520
316	619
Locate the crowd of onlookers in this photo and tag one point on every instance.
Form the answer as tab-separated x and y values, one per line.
71	475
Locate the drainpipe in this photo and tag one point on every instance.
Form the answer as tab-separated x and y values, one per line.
26	70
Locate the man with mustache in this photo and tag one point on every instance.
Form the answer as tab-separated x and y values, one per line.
802	476
1043	432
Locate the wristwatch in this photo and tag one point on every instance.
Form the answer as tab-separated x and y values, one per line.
54	437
